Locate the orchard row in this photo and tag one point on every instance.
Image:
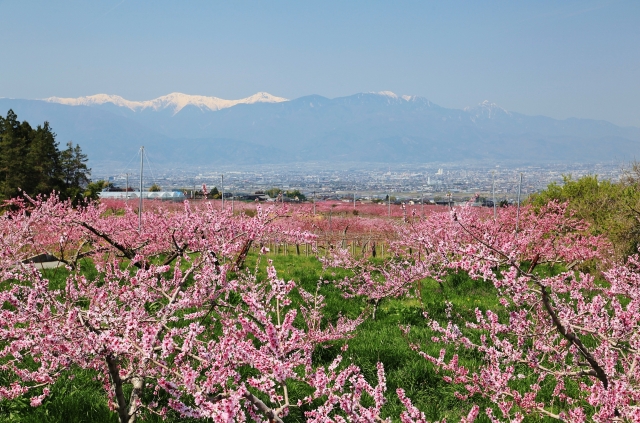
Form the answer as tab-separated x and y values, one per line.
173	320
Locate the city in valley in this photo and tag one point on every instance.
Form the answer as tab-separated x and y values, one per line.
402	183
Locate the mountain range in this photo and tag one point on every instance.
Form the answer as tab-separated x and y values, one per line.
182	130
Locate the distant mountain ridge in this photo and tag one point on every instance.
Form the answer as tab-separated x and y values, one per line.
175	101
185	130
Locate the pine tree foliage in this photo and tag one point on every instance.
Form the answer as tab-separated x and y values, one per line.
31	162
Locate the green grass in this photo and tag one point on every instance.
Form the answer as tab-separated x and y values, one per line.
78	397
381	339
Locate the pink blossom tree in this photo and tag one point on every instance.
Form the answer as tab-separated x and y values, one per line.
175	320
170	315
567	329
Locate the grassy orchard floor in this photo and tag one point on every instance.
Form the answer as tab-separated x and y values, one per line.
78	397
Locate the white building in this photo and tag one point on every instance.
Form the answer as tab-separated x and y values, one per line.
157	195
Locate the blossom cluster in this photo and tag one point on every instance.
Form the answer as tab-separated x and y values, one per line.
173	316
573	330
172	311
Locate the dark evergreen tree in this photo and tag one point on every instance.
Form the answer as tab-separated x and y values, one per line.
43	159
14	146
31	161
75	172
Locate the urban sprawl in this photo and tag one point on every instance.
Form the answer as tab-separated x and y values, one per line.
400	183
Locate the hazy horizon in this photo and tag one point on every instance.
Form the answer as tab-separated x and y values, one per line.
575	59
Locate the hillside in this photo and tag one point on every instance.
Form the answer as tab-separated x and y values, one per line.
367	127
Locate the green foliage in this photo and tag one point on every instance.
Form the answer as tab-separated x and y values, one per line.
78	395
78	398
93	188
75	172
382	340
155	188
295	195
611	208
31	161
273	192
215	193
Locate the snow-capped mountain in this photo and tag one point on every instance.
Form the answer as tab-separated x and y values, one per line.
174	101
394	96
486	110
366	127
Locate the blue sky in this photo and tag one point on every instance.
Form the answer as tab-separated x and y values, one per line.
555	58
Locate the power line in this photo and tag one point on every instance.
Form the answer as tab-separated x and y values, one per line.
153	178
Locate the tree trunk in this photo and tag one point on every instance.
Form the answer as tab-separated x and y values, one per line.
138	385
114	372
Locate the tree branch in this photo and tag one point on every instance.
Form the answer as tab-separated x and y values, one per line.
571	337
127	252
257	402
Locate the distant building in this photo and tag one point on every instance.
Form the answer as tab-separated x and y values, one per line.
253	197
158	195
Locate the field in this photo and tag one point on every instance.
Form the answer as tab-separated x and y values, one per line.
78	397
191	316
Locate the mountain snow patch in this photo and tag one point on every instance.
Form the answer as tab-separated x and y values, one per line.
174	101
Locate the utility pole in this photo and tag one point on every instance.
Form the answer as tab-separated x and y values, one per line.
330	226
127	194
422	201
354	200
314	203
222	189
494	194
389	202
140	202
518	211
